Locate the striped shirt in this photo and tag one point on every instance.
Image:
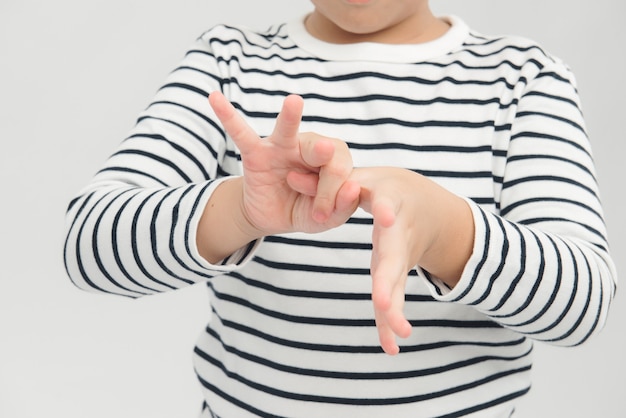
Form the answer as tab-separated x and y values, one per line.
496	120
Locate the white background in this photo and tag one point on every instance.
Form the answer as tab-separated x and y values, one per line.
74	74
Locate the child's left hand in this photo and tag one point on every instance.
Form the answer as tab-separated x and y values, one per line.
416	222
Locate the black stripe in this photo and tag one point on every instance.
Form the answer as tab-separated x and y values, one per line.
378	121
234	400
338	322
79	259
539	135
185	86
354	401
558	179
115	247
506	210
134	235
570	303
154	241
487	405
275	239
311	268
552	74
94	245
552	97
175	222
157	158
515	48
587	303
482	261
202	141
518	277
131	171
594	231
358	99
312	294
86	200
583	167
455	174
335	348
379	146
583	313
536	284
322	373
249	43
503	63
180	149
551	116
374	75
347	322
496	274
557	285
205	118
250	55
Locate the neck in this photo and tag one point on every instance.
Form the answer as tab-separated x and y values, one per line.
417	28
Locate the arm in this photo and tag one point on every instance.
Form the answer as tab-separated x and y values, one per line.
160	215
416	222
540	267
128	231
262	202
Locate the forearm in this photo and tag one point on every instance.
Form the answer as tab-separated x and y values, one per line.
134	241
452	246
551	287
223	227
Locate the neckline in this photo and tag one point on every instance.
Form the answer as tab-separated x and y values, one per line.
378	52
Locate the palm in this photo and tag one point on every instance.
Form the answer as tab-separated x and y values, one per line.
270	203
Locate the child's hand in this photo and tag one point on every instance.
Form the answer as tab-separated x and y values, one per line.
292	181
416	222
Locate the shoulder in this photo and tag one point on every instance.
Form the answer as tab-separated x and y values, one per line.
512	54
243	36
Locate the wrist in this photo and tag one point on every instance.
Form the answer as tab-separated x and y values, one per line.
224	227
244	226
453	240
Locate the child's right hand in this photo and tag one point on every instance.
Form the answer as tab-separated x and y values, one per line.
269	205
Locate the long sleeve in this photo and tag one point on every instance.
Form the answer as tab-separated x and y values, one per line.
541	266
494	119
131	231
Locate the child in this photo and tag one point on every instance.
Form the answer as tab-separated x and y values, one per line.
441	208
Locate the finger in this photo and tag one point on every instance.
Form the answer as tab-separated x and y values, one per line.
390	320
243	135
303	183
382	208
288	121
386	250
348	197
316	150
347	202
335	166
386	336
384	211
389	272
395	316
389	275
